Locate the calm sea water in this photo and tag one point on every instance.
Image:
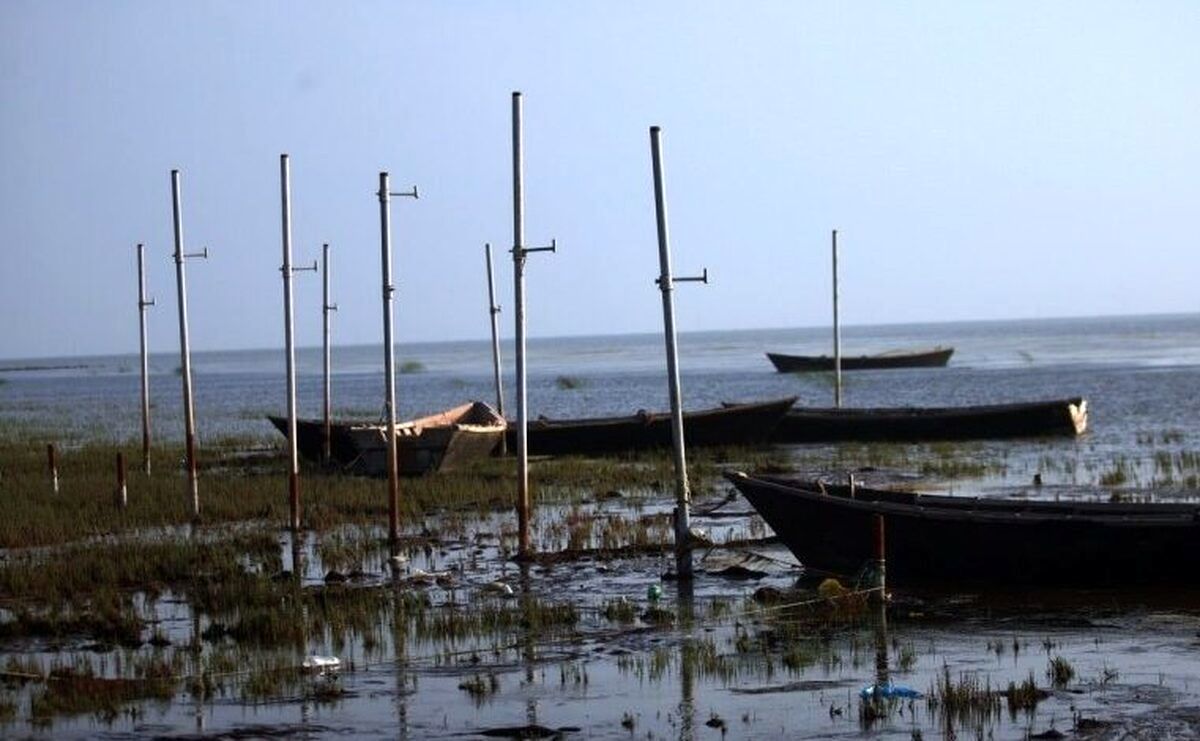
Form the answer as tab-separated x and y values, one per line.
1140	374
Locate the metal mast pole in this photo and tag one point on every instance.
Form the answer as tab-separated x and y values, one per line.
185	358
519	252
389	358
837	331
494	311
683	551
326	307
285	196
389	351
144	302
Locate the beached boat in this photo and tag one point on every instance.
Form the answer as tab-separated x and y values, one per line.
438	442
909	424
938	538
737	424
932	358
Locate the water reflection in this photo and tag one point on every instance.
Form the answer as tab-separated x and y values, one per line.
686	604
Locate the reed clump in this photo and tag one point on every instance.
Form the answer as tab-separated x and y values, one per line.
1024	695
480	686
968	700
1060	672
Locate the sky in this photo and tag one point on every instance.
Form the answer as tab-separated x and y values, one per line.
980	161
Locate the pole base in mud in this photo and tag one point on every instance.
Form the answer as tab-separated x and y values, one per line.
683	547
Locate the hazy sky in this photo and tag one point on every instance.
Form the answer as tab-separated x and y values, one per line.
981	160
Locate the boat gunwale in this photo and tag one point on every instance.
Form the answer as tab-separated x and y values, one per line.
650	417
938	507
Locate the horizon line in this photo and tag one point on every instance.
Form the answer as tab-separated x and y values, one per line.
950	322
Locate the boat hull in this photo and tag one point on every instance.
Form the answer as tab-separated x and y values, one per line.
913	424
440	442
934	358
981	541
738	424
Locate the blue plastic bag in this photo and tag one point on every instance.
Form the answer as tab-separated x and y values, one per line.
889	691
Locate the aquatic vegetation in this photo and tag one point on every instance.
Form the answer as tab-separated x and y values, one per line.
1119	475
1060	672
1024	695
214	613
569	383
1108	675
71	692
967	700
480	686
620	610
411	366
942	460
906	658
106	624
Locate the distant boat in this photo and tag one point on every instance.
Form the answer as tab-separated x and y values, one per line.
438	442
949	539
736	424
931	358
909	424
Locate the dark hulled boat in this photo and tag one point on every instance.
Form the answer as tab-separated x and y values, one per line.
910	424
932	358
937	538
736	424
438	442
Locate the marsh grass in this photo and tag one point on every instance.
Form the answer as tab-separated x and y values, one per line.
480	686
944	460
236	487
1060	672
1119	475
967	700
1023	696
88	570
71	692
620	610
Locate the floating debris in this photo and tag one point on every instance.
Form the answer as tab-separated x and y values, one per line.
499	588
322	664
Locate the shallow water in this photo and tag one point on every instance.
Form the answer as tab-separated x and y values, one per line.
722	660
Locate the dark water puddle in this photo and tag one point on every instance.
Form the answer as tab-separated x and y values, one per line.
529	731
811	685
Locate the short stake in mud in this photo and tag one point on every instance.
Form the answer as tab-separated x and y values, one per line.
52	461
122	491
880	585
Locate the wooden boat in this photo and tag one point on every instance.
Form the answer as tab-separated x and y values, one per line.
932	358
907	424
438	442
737	424
937	538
